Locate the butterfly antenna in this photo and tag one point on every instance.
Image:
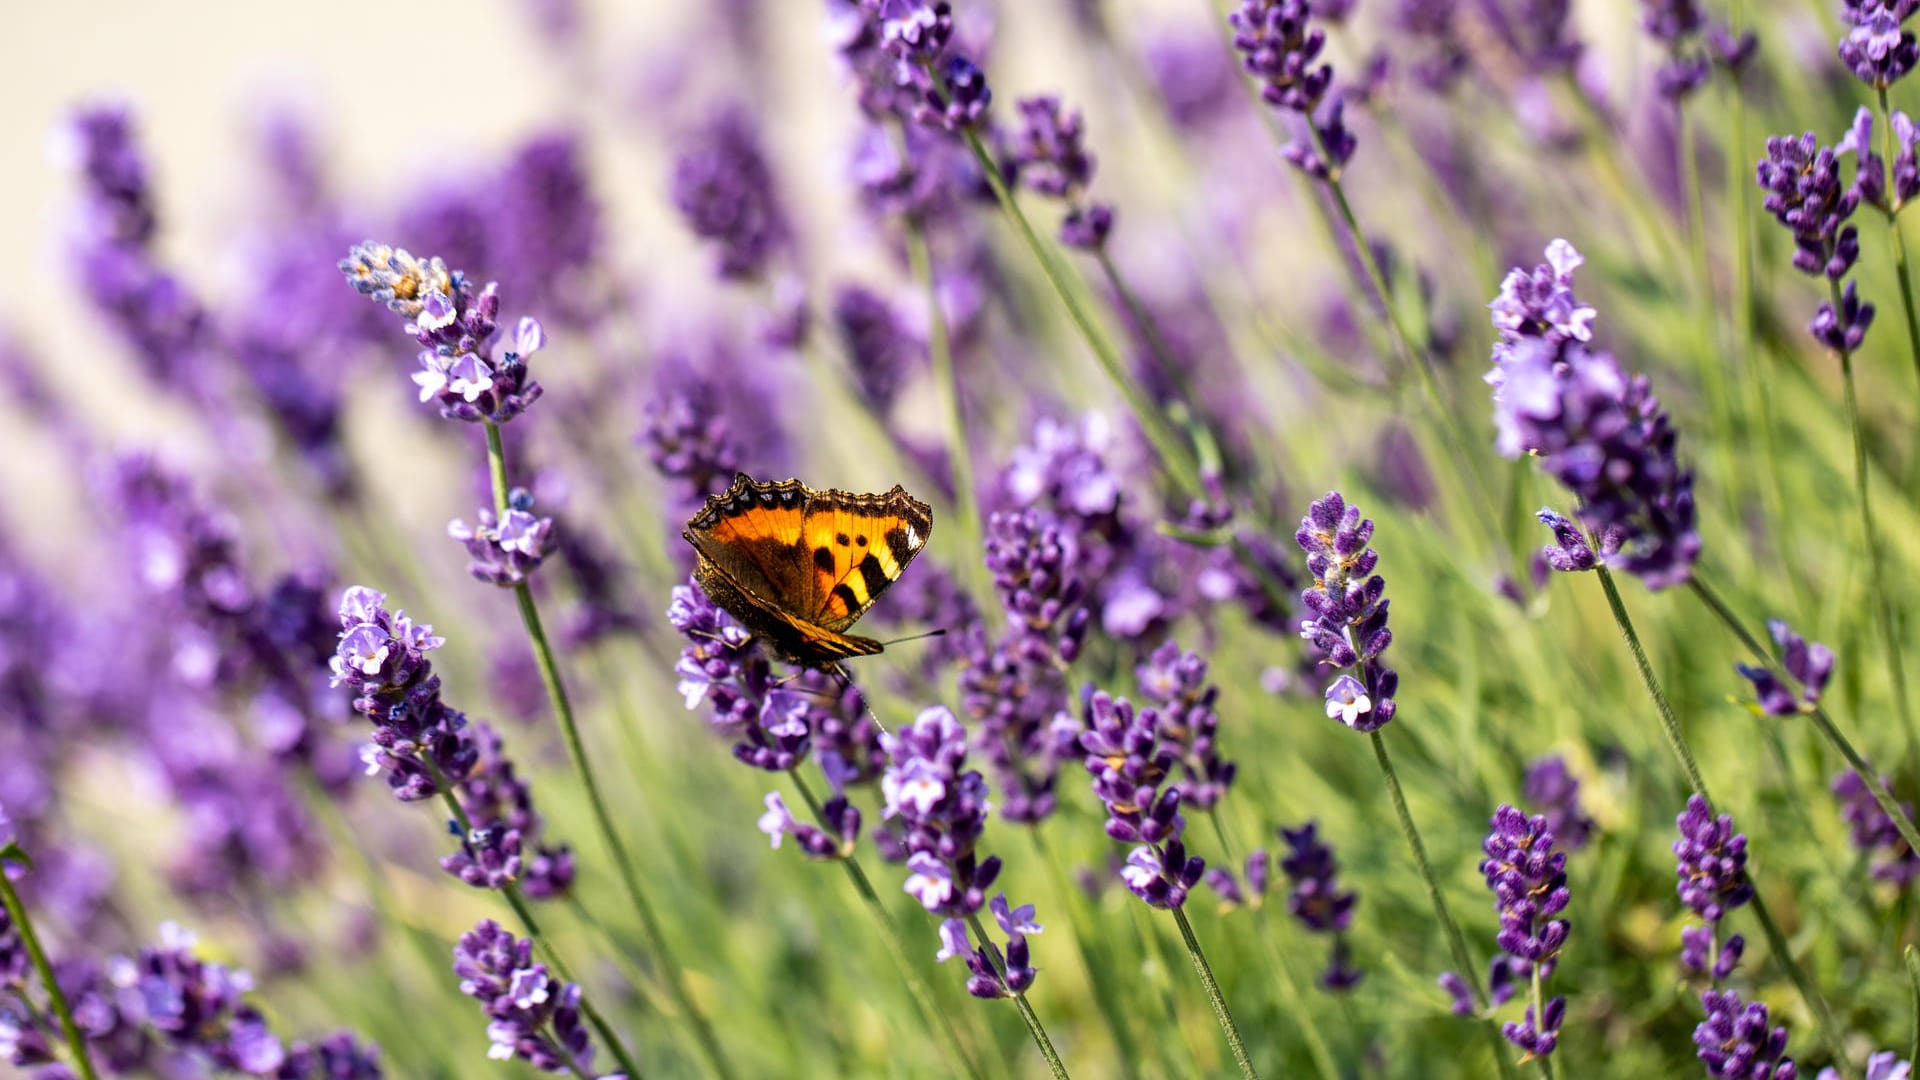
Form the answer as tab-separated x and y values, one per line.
938	632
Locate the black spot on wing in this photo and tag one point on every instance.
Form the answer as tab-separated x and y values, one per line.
823	558
842	540
850	602
875	577
897	543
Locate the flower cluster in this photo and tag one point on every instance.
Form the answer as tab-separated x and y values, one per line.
531	1015
1131	757
502	846
1878	48
941	807
1529	883
1735	1040
1553	790
166	1011
454	325
724	190
505	549
1711	863
1316	900
1048	156
1870	177
1175	683
1599	431
382	659
911	44
1348	606
1808	665
1692	44
835	841
879	348
1014	688
1801	179
1873	831
1885	1065
1280	46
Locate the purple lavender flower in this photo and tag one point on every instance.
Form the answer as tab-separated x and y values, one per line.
547	233
454	326
1599	432
1048	156
1176	683
1281	48
1529	883
1804	192
725	191
1873	831
503	846
1878	48
880	350
941	807
1681	28
1429	34
1711	862
1130	760
1570	552
1316	900
1349	612
1810	666
835	843
531	1015
1552	789
957	101
1885	1065
507	548
1701	951
382	658
1735	1041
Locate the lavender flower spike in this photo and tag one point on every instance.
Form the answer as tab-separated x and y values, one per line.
1316	900
1711	862
505	549
942	806
1808	665
1529	883
454	325
1349	609
1130	757
1736	1041
531	1015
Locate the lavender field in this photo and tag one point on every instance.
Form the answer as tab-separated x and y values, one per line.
1326	539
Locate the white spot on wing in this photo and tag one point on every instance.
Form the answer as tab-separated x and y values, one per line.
913	538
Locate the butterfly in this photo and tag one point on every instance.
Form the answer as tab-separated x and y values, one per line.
798	567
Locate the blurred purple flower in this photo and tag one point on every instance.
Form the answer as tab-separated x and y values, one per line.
1553	790
725	191
1316	900
1873	831
1808	665
1735	1040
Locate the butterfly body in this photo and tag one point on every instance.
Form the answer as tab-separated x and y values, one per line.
798	567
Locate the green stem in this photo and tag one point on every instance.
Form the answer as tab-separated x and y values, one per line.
1877	581
1148	327
1913	983
1176	459
1822	1016
570	731
937	1019
1822	722
1669	724
966	502
1714	365
528	924
1540	1013
1291	998
1093	957
1808	993
17	912
1456	944
1899	241
1027	1014
1214	997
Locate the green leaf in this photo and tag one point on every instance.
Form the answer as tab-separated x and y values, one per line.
1913	980
15	854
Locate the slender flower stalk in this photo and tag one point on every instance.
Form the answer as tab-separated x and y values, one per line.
1764	662
1776	941
966	499
455	325
10	857
1349	630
